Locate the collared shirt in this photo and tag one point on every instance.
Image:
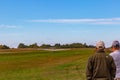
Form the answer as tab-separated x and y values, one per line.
116	57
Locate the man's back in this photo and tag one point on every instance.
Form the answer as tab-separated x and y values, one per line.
101	66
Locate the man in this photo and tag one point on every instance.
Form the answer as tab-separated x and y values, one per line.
116	56
100	66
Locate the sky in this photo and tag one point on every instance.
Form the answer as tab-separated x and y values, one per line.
59	21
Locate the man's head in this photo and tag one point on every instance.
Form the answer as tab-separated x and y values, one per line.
100	45
115	45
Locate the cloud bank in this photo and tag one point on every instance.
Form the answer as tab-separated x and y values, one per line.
84	21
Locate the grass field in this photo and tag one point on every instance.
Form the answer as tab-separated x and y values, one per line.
43	65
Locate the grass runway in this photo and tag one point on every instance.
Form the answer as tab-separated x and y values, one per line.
44	65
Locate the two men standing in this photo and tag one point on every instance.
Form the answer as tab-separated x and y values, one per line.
102	66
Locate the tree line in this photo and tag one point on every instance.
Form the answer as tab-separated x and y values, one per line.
56	46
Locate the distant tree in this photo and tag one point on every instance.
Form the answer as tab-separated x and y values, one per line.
0	46
57	45
65	46
33	45
45	46
85	45
4	47
22	45
91	46
76	45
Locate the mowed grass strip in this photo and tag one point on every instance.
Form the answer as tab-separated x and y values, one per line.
44	65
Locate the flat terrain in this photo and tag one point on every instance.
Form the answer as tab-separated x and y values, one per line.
44	64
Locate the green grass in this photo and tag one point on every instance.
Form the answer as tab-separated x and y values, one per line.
44	65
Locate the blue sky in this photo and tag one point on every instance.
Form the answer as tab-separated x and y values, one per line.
59	21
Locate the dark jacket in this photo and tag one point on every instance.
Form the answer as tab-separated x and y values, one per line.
100	67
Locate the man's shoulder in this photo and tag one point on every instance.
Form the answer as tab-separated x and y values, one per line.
111	54
95	55
91	57
114	53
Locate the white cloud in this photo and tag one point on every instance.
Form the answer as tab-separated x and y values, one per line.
7	26
88	21
107	22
